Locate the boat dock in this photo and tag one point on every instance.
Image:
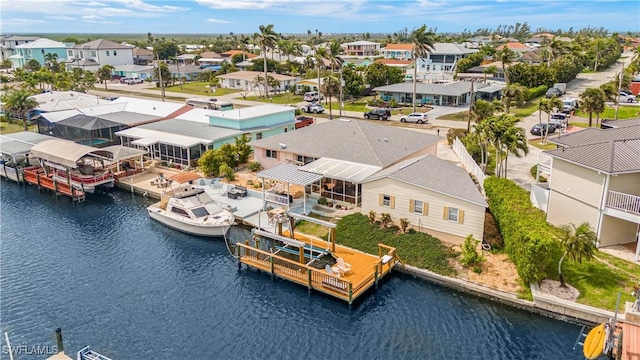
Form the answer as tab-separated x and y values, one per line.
630	349
314	263
35	175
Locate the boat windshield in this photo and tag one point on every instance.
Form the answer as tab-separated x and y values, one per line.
200	212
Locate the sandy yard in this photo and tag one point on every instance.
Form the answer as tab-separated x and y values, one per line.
498	272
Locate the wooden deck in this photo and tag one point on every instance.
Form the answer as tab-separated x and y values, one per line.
35	175
630	342
366	269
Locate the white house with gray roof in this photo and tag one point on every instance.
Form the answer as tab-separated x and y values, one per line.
94	54
345	152
434	195
594	177
449	94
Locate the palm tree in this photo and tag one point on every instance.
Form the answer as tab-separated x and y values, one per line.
514	141
50	58
513	94
244	42
578	243
330	88
321	54
592	100
266	38
335	49
548	105
422	41
20	102
506	56
104	74
489	70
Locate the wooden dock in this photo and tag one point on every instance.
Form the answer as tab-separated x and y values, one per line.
366	269
630	349
36	175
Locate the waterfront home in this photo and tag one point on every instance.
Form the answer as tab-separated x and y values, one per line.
434	195
448	94
184	138
361	48
345	152
94	54
593	177
244	80
37	50
8	44
65	100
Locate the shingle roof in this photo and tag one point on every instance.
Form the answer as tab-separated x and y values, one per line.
451	89
351	140
594	135
614	156
621	123
102	44
451	49
432	173
41	43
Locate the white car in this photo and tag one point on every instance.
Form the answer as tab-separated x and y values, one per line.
131	81
419	118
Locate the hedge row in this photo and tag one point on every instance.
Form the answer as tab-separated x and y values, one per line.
536	91
528	239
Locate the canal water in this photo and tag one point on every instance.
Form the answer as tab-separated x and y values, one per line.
133	289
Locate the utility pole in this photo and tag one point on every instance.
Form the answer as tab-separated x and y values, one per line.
341	85
471	104
619	89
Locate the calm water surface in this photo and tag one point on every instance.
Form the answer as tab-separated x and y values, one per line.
133	289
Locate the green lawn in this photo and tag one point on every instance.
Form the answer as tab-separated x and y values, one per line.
529	107
459	116
624	112
197	88
6	128
540	145
284	98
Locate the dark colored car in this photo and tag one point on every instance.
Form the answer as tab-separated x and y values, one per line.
553	92
540	129
379	114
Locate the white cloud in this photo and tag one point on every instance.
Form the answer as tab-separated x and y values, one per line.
143	6
241	4
21	22
62	17
219	21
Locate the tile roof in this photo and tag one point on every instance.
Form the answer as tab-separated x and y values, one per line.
210	55
614	156
432	173
351	140
513	45
398	47
230	53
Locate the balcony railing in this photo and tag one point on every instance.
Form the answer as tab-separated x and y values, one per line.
625	202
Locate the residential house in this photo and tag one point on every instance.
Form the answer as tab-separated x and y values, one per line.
37	50
8	44
65	100
447	94
133	71
515	46
397	51
186	59
210	59
361	48
434	195
404	65
594	177
442	58
345	152
305	85
185	137
188	72
244	80
228	55
94	54
531	57
480	69
142	56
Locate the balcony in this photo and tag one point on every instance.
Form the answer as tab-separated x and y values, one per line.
624	202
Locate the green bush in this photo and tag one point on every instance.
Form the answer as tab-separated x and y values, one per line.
372	217
385	219
414	248
470	256
254	166
404	224
322	201
533	93
528	239
454	133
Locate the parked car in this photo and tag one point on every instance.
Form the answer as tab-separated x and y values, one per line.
313	108
626	98
312	96
569	105
419	118
553	92
541	129
302	121
379	113
130	81
559	120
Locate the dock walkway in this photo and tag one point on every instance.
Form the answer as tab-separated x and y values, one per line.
36	175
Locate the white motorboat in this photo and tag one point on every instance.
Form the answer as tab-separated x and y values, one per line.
192	211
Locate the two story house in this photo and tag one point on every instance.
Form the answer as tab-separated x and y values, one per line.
95	54
442	58
594	177
361	48
8	44
38	50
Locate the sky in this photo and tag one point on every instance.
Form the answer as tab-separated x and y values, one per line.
298	16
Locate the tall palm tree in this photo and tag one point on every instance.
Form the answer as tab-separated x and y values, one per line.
548	106
513	94
506	56
335	49
19	101
104	74
592	100
321	54
331	87
579	243
50	58
266	38
489	70
514	141
422	41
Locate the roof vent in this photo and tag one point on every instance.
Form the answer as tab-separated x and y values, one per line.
283	146
385	140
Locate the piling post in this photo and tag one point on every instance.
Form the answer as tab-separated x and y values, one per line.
309	286
238	257
59	343
55	189
376	274
301	253
273	274
38	180
350	290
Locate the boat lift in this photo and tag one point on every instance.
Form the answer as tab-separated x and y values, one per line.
600	340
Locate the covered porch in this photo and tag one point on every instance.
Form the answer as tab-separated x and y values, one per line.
287	174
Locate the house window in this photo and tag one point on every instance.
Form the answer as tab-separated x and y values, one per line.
259	136
452	214
107	52
115	53
93	54
417	207
386	200
272	154
70	53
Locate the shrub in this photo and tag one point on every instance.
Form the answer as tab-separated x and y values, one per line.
227	172
254	166
249	182
372	216
257	185
535	92
322	201
470	256
454	133
528	239
404	224
385	219
533	172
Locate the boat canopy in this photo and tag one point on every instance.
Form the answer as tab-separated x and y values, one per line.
184	177
119	152
65	152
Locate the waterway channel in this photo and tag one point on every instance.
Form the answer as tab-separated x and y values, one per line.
131	288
